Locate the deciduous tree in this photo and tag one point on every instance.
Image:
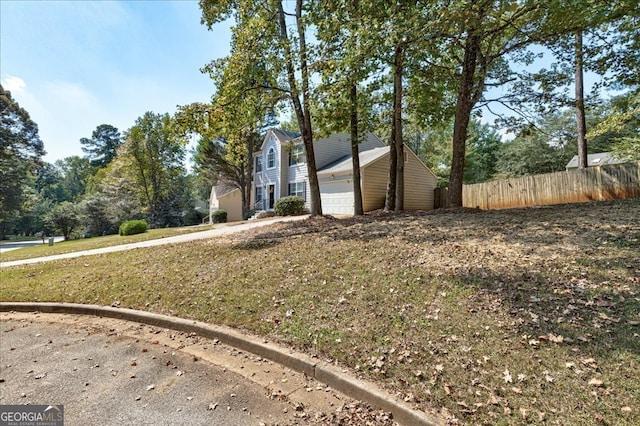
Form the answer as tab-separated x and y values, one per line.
21	151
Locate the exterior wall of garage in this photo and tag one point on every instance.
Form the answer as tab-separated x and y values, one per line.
419	184
374	184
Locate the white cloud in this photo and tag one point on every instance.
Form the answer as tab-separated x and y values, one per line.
13	83
70	95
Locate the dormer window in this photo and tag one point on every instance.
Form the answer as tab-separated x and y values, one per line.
271	158
296	155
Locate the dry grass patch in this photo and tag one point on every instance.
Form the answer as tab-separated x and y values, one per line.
500	317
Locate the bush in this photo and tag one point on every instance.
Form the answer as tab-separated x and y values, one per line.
132	227
288	206
219	216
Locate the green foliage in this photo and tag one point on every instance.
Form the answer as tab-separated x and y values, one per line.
132	227
102	148
21	151
481	156
219	216
289	206
65	217
151	160
621	125
529	155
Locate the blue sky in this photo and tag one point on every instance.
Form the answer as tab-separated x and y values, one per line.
74	65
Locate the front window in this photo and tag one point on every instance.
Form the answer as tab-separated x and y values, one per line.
296	155
271	158
258	164
299	189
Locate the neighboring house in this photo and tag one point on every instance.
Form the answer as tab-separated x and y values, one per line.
280	170
594	160
226	197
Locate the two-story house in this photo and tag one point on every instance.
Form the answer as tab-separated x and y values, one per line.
280	169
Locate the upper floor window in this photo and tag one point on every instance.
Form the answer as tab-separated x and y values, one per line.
296	155
258	164
271	158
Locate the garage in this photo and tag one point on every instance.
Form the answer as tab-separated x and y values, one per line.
337	196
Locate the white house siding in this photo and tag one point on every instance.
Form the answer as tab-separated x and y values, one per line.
419	184
270	176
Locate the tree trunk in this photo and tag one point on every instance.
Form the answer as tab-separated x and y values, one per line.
302	111
397	120
395	183
247	174
355	155
580	116
464	105
390	200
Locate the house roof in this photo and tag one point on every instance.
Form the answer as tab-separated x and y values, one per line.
224	188
282	135
597	159
343	165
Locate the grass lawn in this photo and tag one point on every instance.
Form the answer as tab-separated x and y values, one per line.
96	242
499	317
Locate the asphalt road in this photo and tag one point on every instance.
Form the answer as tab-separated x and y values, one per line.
14	245
114	372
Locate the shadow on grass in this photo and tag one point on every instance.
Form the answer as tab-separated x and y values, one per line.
594	314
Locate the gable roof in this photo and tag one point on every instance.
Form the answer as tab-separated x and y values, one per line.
281	135
223	188
343	165
597	159
285	135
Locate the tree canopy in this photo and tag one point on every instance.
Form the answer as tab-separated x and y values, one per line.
21	151
101	149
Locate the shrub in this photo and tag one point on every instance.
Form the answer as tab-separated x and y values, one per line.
132	227
287	206
219	216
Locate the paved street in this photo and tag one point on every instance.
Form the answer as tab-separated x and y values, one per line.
115	372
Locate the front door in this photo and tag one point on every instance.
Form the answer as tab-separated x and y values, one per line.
272	196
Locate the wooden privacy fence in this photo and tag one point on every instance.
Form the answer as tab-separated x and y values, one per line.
606	182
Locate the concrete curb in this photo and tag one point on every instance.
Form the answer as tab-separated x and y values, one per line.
321	371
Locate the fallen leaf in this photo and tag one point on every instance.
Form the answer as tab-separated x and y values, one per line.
626	409
556	339
151	387
507	376
595	382
493	400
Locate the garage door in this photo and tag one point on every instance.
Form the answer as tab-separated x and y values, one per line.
337	197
